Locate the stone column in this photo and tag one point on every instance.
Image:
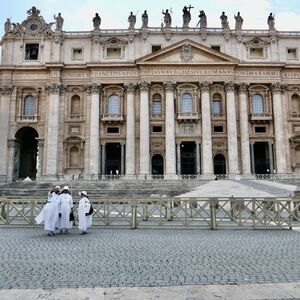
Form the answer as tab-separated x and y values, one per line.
271	165
40	158
122	171
103	158
198	162
144	130
170	156
53	130
130	131
178	158
94	90
252	157
232	146
4	129
278	128
207	159
244	130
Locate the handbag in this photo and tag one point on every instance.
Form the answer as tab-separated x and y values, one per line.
91	210
72	216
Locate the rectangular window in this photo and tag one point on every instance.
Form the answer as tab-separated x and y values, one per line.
256	52
112	129
218	129
156	107
216	47
216	107
156	48
31	51
260	129
113	52
291	53
157	129
77	53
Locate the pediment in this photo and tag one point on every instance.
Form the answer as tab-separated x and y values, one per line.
186	52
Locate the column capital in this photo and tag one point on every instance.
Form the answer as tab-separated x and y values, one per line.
144	86
276	87
130	87
229	86
93	88
204	86
6	90
56	88
242	87
169	86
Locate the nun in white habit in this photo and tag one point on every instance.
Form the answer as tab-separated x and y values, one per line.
49	214
84	206
66	206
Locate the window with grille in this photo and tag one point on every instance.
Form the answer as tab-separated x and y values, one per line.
186	105
257	104
31	51
156	105
113	104
216	107
295	104
29	106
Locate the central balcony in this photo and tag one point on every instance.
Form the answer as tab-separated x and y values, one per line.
261	118
112	118
188	117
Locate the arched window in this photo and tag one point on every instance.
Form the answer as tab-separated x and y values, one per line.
156	104
74	157
295	103
186	104
75	105
217	104
113	106
29	106
257	104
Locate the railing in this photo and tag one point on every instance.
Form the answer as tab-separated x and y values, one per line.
295	115
112	117
170	212
192	116
22	118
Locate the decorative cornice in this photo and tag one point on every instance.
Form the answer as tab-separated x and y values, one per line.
94	88
204	86
169	86
6	90
130	87
229	86
144	86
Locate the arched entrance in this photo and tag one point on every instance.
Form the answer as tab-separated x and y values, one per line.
157	164
26	153
219	164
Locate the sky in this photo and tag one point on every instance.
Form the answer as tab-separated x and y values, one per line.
78	14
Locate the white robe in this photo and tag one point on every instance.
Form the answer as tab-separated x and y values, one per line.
83	208
65	206
49	213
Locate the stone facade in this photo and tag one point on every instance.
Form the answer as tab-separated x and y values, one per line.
163	101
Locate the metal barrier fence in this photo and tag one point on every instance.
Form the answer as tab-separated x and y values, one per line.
170	212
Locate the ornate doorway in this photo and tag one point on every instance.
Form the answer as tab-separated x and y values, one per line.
157	164
188	158
219	164
26	153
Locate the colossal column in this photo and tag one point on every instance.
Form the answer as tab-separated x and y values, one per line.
53	130
244	130
207	161
5	94
144	129
233	157
278	127
94	90
170	156
130	131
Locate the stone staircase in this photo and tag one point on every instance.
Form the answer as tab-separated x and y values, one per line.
105	188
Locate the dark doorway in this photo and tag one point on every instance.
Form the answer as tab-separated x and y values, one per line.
113	159
219	164
261	158
25	163
188	158
157	164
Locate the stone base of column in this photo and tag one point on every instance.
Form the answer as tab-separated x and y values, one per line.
130	177
171	176
143	176
3	179
247	176
48	178
208	177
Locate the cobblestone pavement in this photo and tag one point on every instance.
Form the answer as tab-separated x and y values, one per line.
147	257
